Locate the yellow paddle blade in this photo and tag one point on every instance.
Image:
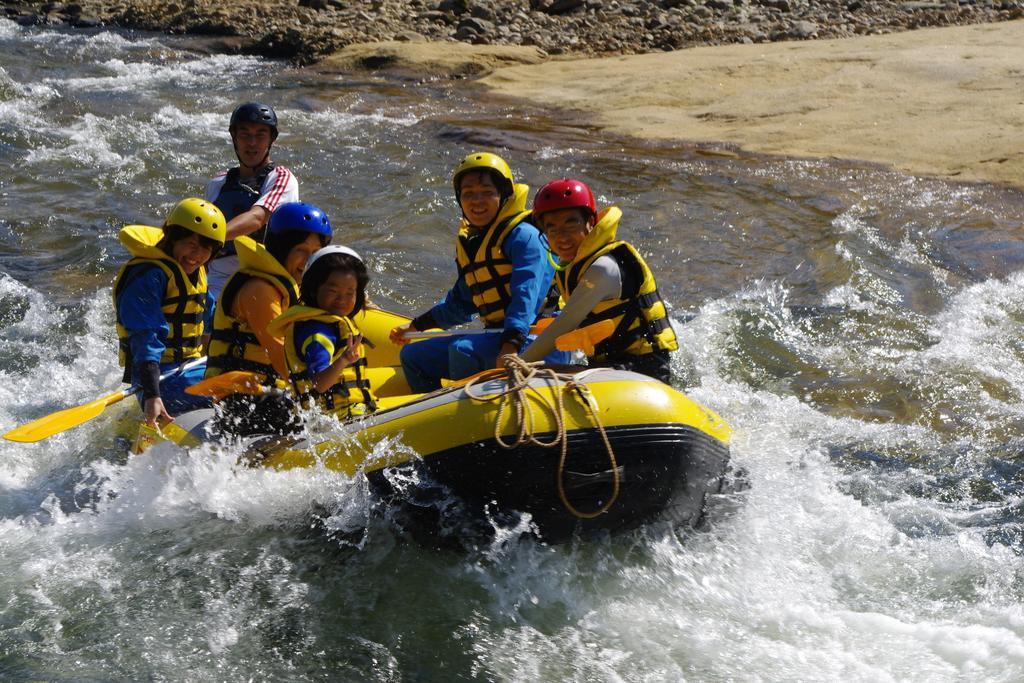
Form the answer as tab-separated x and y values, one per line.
225	384
585	338
62	420
146	438
167	431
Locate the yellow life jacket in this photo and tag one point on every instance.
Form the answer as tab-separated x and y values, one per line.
487	271
351	396
233	344
641	321
183	304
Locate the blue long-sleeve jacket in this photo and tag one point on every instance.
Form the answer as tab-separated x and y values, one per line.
532	275
139	308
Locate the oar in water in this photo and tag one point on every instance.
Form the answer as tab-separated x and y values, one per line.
63	420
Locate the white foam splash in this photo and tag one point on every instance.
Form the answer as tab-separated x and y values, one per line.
49	386
136	76
9	29
88	142
334	121
978	329
22	102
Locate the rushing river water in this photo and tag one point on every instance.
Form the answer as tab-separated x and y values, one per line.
860	329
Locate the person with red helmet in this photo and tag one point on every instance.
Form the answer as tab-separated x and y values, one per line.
600	278
249	193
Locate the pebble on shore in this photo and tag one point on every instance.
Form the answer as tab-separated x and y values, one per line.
306	31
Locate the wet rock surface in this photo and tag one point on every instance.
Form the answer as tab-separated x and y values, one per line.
305	31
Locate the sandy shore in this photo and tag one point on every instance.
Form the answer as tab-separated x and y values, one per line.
943	102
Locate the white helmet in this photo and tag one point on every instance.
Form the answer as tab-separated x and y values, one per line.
327	251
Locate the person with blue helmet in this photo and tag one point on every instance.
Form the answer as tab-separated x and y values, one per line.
265	284
249	193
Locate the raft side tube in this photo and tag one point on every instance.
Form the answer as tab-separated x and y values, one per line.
449	419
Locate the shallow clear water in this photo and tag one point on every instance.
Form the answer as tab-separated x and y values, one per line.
860	329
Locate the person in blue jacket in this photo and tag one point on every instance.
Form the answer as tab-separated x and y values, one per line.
163	309
504	278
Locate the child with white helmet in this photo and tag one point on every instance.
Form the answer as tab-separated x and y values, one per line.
323	348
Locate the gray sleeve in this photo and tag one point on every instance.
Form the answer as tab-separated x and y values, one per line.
602	281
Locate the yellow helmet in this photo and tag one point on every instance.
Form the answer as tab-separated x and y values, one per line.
201	217
484	161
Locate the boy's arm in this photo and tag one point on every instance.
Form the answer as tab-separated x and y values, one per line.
532	273
601	281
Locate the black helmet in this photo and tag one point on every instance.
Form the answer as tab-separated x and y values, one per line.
254	112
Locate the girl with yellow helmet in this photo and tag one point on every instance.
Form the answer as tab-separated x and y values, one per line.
503	277
162	306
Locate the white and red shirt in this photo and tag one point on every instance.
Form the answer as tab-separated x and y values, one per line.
278	187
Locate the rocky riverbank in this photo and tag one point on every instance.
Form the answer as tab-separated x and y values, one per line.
938	101
308	30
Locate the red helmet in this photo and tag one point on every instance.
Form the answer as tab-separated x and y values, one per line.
564	194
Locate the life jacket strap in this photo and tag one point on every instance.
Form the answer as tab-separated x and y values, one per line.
234	337
229	363
477	288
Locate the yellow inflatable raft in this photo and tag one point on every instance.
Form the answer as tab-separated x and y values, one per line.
568	451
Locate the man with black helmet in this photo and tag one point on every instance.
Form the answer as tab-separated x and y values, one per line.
248	193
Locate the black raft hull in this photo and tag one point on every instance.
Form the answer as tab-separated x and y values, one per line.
664	471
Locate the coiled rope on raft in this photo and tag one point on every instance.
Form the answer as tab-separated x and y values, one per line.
517	394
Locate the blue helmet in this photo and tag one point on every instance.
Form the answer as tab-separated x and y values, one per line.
299	216
254	112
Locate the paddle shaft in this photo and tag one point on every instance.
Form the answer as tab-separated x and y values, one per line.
134	389
63	420
535	329
580	338
187	365
446	333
